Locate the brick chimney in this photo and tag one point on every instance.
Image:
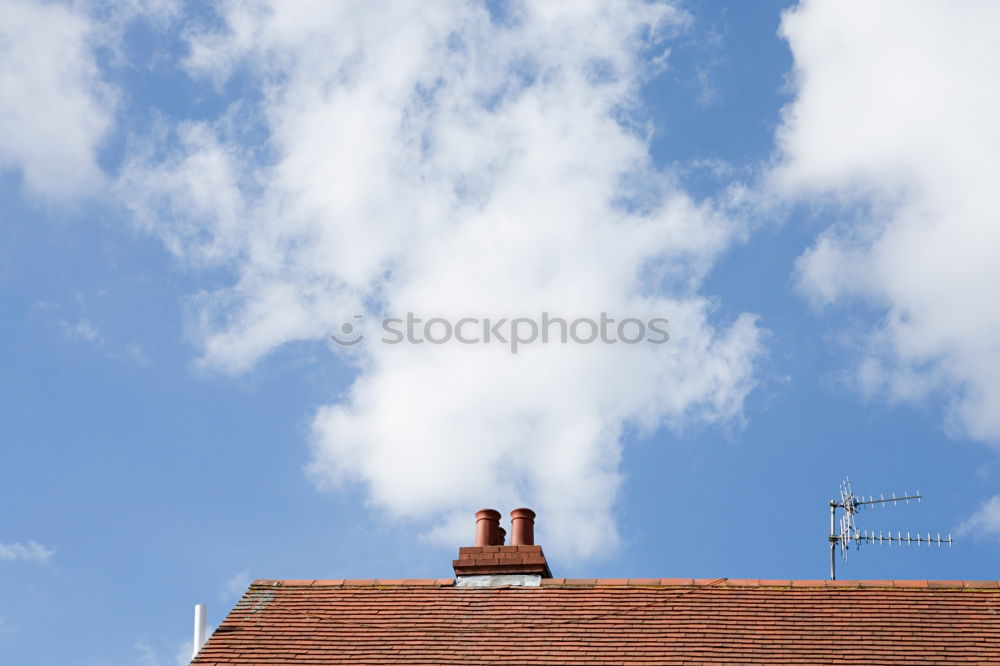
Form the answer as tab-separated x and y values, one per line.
490	562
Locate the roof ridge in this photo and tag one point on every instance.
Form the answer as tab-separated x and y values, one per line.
644	582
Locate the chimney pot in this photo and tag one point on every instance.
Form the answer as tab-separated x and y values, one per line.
487	527
503	536
522	527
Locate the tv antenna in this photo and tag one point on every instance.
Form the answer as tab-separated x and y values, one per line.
849	534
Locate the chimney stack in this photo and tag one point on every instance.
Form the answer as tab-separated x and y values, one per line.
490	562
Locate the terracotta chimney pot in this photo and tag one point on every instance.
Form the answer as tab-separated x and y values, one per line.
522	527
487	527
503	537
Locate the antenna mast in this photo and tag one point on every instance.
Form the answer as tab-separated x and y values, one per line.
849	533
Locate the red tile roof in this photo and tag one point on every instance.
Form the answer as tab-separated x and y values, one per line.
615	621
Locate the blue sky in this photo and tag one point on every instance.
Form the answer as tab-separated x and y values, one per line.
192	200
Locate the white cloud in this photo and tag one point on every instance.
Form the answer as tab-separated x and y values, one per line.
148	656
85	330
157	12
54	107
895	122
82	330
430	158
235	586
985	521
182	652
32	552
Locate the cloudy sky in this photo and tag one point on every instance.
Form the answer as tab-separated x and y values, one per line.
195	196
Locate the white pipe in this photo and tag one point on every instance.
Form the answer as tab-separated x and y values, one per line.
199	629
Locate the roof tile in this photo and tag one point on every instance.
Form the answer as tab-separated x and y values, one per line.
612	621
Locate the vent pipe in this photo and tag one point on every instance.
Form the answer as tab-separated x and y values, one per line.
199	629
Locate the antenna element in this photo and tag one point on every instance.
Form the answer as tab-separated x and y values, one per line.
846	533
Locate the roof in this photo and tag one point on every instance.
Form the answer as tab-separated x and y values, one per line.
611	621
